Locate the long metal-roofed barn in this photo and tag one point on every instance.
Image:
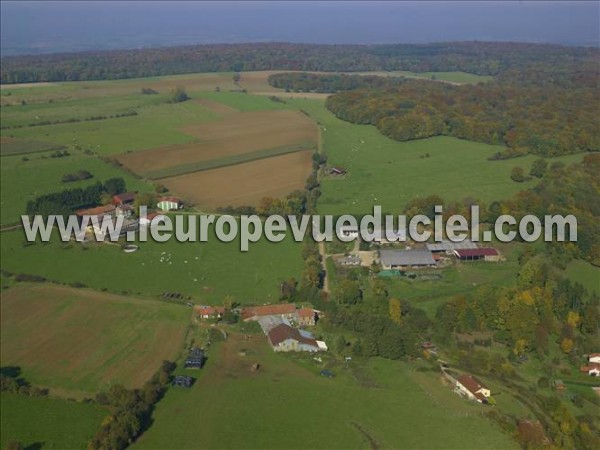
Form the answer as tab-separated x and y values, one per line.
395	259
449	246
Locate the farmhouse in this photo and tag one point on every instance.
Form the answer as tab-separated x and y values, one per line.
209	312
592	369
471	387
477	254
169	203
284	338
449	246
285	310
99	212
402	259
306	317
195	359
126	198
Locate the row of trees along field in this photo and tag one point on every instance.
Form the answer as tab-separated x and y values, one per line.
482	58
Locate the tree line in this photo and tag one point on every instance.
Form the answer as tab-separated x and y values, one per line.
482	58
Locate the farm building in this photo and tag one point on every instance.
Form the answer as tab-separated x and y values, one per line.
195	359
350	231
592	369
401	259
126	198
99	212
284	338
124	210
307	317
146	221
169	203
209	312
471	387
594	357
182	381
267	323
286	310
337	171
478	254
449	246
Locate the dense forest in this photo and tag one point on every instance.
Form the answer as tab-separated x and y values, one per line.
482	58
546	121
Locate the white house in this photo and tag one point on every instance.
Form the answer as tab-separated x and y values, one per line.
594	358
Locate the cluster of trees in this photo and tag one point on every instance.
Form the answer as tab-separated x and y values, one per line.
11	382
484	58
131	411
64	202
178	95
546	120
77	176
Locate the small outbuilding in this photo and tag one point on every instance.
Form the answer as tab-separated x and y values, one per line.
169	203
182	381
478	254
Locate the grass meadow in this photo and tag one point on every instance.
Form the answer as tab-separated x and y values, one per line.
206	271
385	172
368	404
585	274
48	422
77	342
40	174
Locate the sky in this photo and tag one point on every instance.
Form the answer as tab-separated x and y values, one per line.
52	26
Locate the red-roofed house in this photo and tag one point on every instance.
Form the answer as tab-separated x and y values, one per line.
286	310
169	203
592	369
477	254
100	211
306	316
471	387
125	198
284	338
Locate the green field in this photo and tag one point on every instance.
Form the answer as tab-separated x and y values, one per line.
229	160
22	181
78	342
154	126
385	172
288	405
25	146
452	77
585	274
206	271
48	422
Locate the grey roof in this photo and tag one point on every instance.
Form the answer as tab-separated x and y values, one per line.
448	246
406	258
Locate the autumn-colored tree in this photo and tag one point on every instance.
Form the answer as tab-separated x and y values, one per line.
566	345
395	310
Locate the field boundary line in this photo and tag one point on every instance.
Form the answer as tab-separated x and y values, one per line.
232	160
